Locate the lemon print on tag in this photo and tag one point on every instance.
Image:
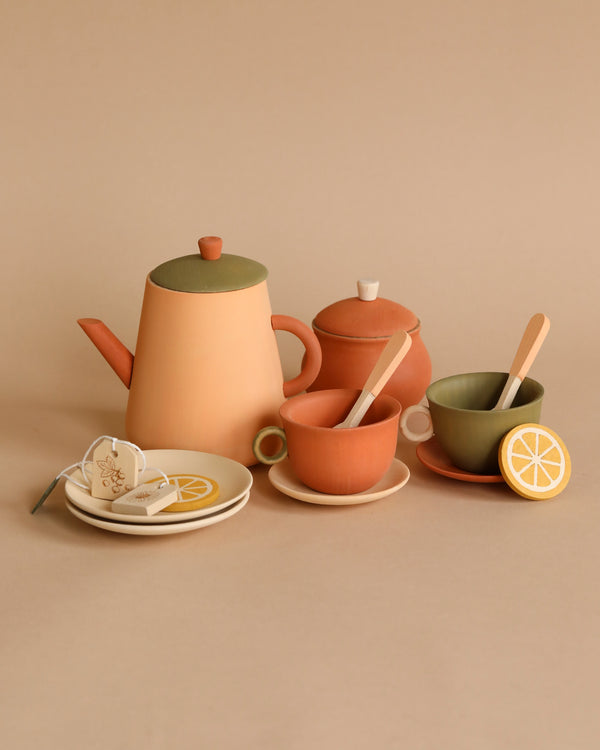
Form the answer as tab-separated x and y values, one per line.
534	461
193	491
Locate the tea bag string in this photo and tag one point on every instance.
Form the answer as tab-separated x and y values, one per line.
85	461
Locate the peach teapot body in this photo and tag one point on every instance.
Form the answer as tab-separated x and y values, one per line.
206	373
353	332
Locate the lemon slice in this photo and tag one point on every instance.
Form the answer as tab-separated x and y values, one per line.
193	491
534	461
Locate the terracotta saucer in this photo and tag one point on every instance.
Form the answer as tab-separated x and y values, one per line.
431	455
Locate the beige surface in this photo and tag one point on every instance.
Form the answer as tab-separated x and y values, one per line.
448	148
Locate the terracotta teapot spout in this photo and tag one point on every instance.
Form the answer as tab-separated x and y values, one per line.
114	352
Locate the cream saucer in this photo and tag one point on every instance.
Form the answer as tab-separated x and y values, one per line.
234	482
283	478
156	529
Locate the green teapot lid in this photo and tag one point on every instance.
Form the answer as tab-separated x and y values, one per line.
209	271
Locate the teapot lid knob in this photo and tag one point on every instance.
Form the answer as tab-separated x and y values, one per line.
367	289
210	247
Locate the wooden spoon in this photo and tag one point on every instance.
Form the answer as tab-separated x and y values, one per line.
532	340
394	352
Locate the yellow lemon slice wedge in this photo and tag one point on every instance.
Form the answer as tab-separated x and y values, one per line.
193	491
534	461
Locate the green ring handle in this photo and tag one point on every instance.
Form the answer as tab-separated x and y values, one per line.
260	436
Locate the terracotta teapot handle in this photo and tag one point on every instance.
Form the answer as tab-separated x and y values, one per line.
312	361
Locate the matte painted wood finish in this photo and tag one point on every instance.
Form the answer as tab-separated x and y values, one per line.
394	352
532	340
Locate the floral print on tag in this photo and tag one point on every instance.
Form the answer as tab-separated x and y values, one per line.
112	475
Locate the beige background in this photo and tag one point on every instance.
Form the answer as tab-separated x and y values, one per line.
449	149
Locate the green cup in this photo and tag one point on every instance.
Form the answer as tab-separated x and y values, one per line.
461	415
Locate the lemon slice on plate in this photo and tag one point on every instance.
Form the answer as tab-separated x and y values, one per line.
534	461
193	491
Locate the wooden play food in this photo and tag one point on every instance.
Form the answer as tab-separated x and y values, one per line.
534	461
206	374
353	332
193	492
329	460
466	426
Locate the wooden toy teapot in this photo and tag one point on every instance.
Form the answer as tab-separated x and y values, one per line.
206	374
353	333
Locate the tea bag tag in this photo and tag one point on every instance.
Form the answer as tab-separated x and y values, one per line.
146	500
114	469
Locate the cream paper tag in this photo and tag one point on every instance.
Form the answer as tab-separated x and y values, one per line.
114	472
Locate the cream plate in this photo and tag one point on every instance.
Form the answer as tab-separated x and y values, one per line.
283	478
157	529
234	482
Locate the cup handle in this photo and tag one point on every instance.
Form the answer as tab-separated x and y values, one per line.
416	437
312	361
260	436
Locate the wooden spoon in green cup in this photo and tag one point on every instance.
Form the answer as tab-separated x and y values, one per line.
532	340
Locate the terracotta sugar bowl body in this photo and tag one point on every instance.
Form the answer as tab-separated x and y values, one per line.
352	333
206	374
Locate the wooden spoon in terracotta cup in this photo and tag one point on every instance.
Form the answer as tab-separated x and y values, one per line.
394	352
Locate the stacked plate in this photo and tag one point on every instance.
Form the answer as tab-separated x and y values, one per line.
183	468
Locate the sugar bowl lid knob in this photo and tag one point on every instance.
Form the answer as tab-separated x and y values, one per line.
210	247
367	289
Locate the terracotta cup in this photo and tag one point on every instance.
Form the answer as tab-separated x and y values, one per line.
339	461
461	416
